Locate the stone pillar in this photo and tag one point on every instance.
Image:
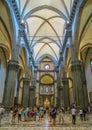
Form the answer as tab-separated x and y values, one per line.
66	92
77	83
37	94
10	84
56	84
85	88
31	96
58	89
56	98
37	88
25	95
61	98
33	88
20	95
86	103
76	72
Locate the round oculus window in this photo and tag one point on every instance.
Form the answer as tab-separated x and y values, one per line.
47	67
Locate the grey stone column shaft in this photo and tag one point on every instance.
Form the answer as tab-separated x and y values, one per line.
25	95
32	97
61	98
85	94
66	92
10	83
20	95
85	87
58	89
76	72
77	84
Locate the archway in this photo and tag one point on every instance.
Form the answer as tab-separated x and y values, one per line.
46	90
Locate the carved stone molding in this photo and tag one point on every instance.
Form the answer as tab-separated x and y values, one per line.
75	65
13	65
26	81
60	88
32	88
64	79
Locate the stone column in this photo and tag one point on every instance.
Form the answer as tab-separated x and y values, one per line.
66	92
32	96
33	88
85	94
10	84
77	83
55	88
25	96
37	94
56	97
61	98
37	88
20	95
85	87
58	88
76	72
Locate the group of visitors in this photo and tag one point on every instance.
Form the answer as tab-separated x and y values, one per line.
38	113
30	114
82	113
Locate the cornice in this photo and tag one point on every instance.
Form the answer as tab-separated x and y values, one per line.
47	71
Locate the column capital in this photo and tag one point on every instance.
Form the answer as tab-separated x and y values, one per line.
26	81
60	88
32	88
75	65
13	64
57	70
35	70
64	79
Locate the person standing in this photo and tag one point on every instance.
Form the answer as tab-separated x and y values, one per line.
81	114
11	116
19	113
50	114
73	112
84	114
61	115
53	113
2	110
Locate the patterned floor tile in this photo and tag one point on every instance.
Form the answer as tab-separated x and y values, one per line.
46	125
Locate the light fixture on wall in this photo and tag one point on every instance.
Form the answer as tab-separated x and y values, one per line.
91	65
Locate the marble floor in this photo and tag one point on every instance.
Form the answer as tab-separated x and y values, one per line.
45	124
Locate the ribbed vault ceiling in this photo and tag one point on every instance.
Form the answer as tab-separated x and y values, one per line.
45	20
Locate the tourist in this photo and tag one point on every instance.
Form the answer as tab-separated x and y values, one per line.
73	111
84	114
53	113
19	113
81	114
2	110
61	115
11	116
